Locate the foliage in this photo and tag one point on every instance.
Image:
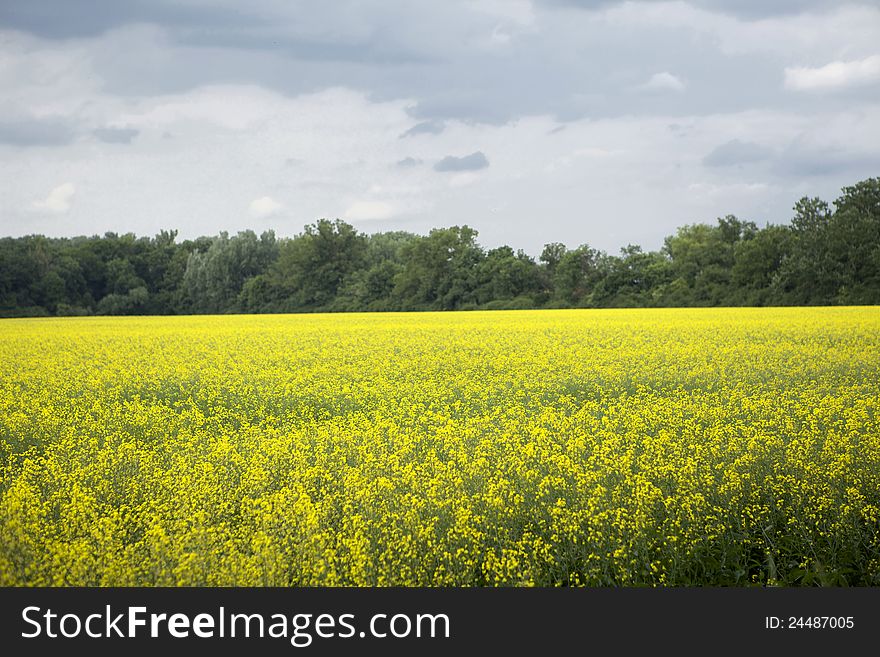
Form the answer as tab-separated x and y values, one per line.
828	255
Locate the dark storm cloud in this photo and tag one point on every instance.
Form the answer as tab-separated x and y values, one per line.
36	132
736	152
116	135
473	162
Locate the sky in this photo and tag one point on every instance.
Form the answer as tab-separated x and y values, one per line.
532	121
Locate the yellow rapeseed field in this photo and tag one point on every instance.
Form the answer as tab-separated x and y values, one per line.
581	447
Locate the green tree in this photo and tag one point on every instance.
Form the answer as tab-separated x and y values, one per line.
576	275
702	260
503	276
756	266
214	278
631	279
808	275
854	243
311	267
439	270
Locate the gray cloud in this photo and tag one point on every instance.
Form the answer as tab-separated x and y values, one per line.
588	5
736	152
446	61
444	56
36	132
408	162
473	162
801	160
425	128
61	19
745	9
755	9
116	135
303	48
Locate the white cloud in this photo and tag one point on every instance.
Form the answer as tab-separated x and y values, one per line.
58	200
664	81
366	210
263	207
836	75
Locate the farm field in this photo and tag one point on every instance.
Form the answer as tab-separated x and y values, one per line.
676	447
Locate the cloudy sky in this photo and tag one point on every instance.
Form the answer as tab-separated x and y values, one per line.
578	121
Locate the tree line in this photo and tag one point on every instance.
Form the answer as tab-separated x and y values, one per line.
826	255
